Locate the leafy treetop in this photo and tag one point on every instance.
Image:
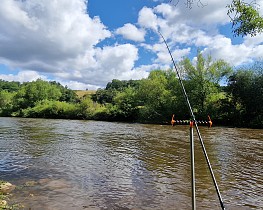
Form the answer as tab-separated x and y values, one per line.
246	19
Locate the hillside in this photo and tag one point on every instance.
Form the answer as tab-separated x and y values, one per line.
82	93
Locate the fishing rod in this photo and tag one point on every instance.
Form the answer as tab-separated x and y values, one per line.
196	126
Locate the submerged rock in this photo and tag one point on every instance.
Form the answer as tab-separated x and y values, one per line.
31	183
6	187
3	203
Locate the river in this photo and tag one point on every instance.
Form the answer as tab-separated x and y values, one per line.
71	164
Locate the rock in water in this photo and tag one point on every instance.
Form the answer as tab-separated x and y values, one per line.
6	187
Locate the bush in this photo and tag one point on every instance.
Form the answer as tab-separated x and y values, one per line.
52	109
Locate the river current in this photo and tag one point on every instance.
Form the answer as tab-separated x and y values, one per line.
73	164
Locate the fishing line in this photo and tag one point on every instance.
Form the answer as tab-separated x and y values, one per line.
196	127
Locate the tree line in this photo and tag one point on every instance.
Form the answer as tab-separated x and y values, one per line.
238	102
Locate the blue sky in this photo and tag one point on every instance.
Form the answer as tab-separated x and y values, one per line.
85	44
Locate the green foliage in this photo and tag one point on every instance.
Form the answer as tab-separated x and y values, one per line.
155	98
104	96
107	95
119	85
51	109
151	100
126	104
202	82
246	90
245	18
31	93
6	104
36	99
67	95
9	86
118	99
88	109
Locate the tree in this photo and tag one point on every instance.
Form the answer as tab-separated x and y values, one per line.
67	94
126	104
203	81
6	102
32	92
246	91
155	97
246	19
119	85
9	86
52	109
107	95
104	96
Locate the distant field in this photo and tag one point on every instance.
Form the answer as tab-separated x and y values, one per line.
81	93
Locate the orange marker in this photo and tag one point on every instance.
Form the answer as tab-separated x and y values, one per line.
209	122
173	121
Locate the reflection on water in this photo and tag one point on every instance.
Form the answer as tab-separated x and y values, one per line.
68	164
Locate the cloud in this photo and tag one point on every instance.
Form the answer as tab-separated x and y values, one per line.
129	31
163	57
185	29
58	40
209	14
23	76
47	36
74	85
221	47
147	18
253	41
50	31
101	65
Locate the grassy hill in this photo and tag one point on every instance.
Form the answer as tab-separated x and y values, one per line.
82	93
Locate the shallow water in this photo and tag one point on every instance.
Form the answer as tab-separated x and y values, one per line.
70	164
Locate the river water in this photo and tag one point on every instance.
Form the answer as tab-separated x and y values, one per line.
70	164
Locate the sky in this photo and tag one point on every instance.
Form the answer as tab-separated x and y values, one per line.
84	44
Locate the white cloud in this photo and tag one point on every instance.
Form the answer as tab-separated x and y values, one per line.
74	85
117	60
198	27
23	76
129	31
50	31
137	73
60	40
147	18
257	52
260	2
47	36
101	65
212	13
253	41
222	48
163	57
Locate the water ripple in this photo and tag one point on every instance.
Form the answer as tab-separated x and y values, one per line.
103	165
